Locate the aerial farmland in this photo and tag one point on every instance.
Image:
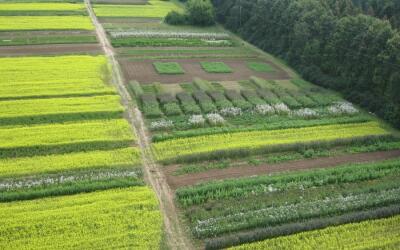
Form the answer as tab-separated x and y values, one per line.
166	124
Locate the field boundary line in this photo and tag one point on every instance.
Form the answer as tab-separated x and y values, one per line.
176	237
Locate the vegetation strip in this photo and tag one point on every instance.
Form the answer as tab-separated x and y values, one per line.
173	150
104	218
372	234
242	171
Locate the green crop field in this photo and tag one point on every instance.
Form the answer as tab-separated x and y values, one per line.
61	134
170	68
174	149
155	9
24	166
252	154
53	76
216	67
39	6
9	23
374	234
117	218
57	106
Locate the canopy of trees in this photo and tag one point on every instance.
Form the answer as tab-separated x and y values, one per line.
330	42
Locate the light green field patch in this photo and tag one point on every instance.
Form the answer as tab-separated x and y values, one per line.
260	67
40	6
127	218
168	68
216	67
53	76
61	134
175	148
14	167
45	23
155	9
36	107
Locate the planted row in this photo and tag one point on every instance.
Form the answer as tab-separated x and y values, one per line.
209	146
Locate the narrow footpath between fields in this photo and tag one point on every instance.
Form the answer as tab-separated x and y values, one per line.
176	238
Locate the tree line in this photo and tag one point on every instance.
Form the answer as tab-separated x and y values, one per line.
330	42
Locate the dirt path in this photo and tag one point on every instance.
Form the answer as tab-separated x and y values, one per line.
176	238
49	49
325	162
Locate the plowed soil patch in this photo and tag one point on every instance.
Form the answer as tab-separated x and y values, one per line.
49	49
234	172
144	72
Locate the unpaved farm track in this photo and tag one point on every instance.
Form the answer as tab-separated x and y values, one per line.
233	172
50	49
176	238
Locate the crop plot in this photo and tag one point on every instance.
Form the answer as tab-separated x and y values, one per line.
168	68
215	67
154	9
143	71
259	67
53	76
371	233
8	23
41	9
215	145
106	218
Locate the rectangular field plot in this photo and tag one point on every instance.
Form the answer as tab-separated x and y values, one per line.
63	134
216	145
9	23
143	71
53	76
155	9
11	7
14	167
372	234
42	110
117	218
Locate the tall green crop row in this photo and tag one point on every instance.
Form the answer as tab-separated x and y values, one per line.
209	145
373	234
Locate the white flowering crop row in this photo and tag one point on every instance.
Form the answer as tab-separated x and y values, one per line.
169	34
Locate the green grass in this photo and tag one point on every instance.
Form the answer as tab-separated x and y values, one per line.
168	68
260	67
216	67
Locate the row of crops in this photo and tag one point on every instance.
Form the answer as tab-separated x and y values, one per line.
289	203
44	16
370	234
70	169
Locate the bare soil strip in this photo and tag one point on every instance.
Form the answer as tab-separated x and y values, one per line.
49	49
233	172
176	239
144	72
